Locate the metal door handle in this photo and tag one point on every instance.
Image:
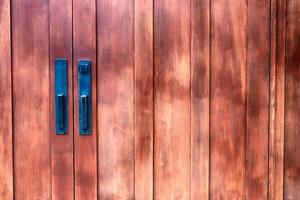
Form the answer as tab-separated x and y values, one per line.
84	95
61	95
84	112
61	117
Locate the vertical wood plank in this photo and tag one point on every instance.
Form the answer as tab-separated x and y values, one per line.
30	50
116	99
258	70
228	99
143	99
62	169
200	66
277	99
6	143
292	117
85	150
172	99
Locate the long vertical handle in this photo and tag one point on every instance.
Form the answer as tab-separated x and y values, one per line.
61	95
84	96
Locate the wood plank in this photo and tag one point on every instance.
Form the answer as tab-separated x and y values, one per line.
228	99
30	50
143	99
200	72
62	169
6	138
85	151
258	70
292	117
172	99
277	99
115	99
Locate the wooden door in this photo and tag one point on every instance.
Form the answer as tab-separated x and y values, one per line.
194	99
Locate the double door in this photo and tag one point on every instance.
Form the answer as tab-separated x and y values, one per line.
149	99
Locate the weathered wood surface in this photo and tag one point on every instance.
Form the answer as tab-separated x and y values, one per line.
200	74
172	99
194	99
30	60
258	79
228	99
292	114
6	143
85	147
143	99
277	99
115	101
62	166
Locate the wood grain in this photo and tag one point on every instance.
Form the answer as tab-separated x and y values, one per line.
85	149
115	99
193	97
6	137
228	99
30	50
62	168
277	99
292	115
172	99
143	99
200	72
258	70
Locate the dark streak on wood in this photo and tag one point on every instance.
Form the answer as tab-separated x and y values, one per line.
144	99
200	66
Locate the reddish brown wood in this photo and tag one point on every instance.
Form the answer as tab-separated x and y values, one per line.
292	114
277	99
30	50
62	169
115	99
192	122
228	99
200	69
6	143
143	99
258	70
172	99
273	102
85	147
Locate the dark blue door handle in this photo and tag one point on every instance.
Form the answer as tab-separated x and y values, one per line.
61	95
84	96
84	112
61	113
